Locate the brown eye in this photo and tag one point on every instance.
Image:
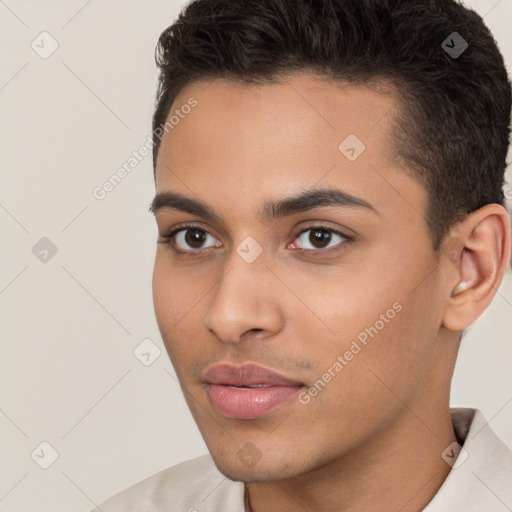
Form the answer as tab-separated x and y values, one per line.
191	240
195	238
319	238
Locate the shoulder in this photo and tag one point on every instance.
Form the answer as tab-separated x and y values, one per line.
481	475
193	485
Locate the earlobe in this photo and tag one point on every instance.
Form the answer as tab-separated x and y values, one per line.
477	267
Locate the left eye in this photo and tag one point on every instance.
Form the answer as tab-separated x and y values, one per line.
319	238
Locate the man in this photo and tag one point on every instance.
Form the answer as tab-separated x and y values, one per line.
330	210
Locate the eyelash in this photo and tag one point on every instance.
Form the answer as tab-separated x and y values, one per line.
168	239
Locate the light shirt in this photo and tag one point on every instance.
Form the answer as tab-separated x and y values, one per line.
480	479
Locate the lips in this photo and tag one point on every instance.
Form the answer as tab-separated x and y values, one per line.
248	391
246	375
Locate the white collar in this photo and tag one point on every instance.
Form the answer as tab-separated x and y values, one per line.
481	478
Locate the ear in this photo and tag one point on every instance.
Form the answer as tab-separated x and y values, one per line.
477	254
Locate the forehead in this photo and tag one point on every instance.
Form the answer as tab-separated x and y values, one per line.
256	140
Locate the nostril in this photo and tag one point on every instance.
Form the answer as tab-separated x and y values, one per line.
254	330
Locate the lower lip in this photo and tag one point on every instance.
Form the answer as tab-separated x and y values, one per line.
249	403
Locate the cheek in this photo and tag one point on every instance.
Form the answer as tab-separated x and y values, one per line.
163	295
349	306
173	292
178	313
168	300
375	324
366	375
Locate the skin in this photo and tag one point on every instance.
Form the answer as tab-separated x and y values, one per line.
355	443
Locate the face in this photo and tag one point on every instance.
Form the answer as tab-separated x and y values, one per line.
293	325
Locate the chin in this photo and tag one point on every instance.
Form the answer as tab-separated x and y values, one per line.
244	469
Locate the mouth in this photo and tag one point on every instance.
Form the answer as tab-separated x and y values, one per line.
248	391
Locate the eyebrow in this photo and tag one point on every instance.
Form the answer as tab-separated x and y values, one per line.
271	210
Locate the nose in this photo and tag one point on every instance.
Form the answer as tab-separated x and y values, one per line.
245	301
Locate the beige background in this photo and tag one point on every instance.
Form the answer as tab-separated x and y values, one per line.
70	325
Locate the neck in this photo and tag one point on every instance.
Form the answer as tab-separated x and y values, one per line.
401	469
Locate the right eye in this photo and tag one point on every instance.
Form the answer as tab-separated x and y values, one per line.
188	239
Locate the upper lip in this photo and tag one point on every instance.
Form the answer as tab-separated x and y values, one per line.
246	375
